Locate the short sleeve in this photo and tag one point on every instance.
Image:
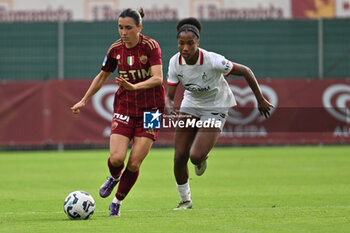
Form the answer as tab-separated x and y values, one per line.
155	54
223	65
109	63
173	80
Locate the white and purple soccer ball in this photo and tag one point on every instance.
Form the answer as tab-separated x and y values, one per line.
79	205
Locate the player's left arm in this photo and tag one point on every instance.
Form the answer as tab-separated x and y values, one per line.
264	106
155	61
154	81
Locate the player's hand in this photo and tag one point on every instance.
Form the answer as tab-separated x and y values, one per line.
127	85
171	110
265	107
76	108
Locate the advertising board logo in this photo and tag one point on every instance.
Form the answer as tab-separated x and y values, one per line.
245	98
313	9
336	99
103	100
222	9
342	8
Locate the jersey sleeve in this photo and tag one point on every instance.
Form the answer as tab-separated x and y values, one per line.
109	63
222	65
155	54
173	80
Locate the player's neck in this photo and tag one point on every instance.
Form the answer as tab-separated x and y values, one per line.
193	59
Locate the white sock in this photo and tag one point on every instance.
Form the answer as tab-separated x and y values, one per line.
115	200
184	191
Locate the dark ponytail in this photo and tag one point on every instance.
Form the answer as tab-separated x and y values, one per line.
136	15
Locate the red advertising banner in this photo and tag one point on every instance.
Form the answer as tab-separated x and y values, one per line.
22	107
313	9
306	112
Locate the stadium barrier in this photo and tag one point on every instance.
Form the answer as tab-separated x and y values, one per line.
272	48
306	112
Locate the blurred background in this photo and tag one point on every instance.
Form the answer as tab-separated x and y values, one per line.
298	49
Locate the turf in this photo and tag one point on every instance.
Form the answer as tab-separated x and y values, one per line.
261	189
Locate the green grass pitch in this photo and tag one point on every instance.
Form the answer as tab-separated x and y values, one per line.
259	189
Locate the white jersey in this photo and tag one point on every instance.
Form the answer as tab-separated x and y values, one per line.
204	82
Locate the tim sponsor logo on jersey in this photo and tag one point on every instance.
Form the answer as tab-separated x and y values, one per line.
135	74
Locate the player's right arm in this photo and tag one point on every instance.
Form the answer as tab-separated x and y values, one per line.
170	96
96	85
172	81
263	105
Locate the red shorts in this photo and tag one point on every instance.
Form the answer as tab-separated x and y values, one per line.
131	127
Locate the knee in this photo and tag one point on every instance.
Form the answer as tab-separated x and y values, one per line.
116	160
133	166
180	158
197	158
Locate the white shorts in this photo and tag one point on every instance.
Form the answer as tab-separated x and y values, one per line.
212	114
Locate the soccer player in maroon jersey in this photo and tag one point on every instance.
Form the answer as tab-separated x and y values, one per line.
140	81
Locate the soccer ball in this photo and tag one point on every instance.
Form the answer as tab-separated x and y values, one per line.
79	205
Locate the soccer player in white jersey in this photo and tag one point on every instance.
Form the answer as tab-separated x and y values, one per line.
207	96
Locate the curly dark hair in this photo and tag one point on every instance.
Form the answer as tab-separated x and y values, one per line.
189	25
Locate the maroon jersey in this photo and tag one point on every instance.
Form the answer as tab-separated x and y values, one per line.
134	65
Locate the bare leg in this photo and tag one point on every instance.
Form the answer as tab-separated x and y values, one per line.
183	143
204	141
118	148
139	151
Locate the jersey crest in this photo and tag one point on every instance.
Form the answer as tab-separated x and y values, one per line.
143	59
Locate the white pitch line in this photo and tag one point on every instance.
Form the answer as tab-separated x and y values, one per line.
60	212
169	210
